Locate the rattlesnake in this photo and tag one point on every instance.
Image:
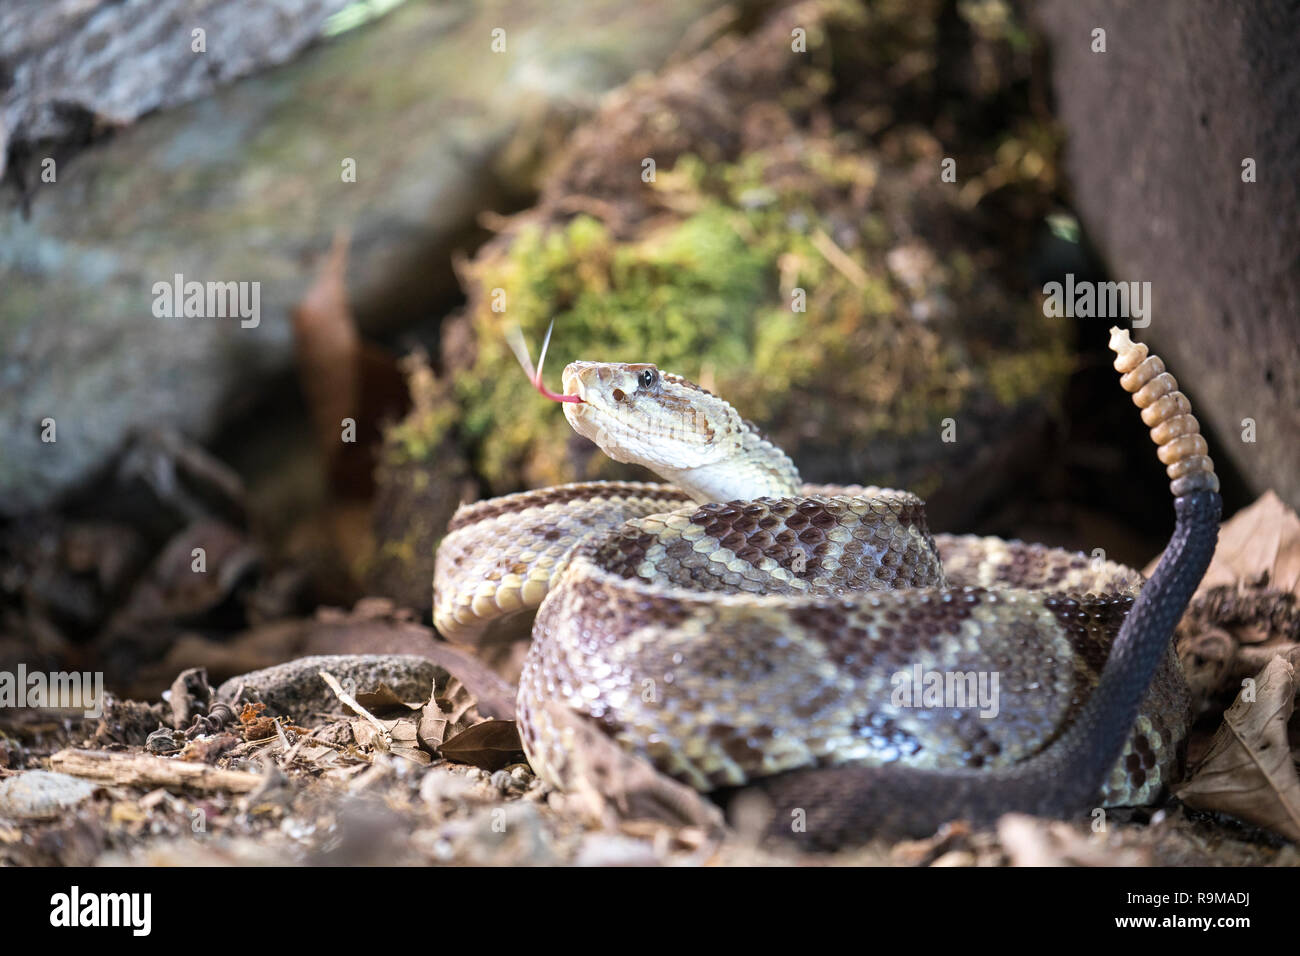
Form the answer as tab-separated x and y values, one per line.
737	628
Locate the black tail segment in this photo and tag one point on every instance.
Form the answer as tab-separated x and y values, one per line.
845	805
1145	635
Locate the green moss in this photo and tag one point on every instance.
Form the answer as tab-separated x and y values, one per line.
1016	378
418	436
678	298
709	296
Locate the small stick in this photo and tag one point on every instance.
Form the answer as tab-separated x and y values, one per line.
839	259
146	770
351	702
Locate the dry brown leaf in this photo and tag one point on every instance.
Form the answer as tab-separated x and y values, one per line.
327	346
495	695
434	727
253	724
403	733
491	745
343	377
1248	604
447	714
383	699
406	743
367	735
398	736
1261	539
1248	771
457	702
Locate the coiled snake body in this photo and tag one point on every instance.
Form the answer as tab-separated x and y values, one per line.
737	628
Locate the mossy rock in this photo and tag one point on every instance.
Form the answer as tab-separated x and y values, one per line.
706	297
823	279
828	283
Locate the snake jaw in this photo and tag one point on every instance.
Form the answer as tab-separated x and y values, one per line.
571	381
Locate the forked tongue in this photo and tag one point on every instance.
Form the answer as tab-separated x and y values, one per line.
515	339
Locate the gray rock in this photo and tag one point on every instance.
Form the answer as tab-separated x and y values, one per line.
296	688
246	186
1158	128
75	63
41	794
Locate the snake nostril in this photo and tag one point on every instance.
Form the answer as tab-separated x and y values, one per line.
618	395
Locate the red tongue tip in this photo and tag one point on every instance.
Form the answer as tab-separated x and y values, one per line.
515	339
553	396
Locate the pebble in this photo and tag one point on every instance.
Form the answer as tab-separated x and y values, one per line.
40	794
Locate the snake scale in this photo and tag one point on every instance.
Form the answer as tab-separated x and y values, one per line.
736	628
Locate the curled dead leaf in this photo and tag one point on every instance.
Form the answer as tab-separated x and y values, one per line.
1248	771
491	745
494	695
447	714
1261	540
384	699
404	737
327	344
1247	607
253	724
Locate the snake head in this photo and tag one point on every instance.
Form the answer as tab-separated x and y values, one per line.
643	416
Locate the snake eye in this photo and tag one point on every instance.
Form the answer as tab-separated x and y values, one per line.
648	377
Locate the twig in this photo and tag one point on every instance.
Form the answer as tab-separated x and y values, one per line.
139	770
840	259
351	702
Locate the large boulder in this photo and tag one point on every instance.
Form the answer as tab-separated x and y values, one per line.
1159	126
247	185
71	67
770	219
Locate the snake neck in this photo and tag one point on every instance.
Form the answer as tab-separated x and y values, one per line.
757	469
